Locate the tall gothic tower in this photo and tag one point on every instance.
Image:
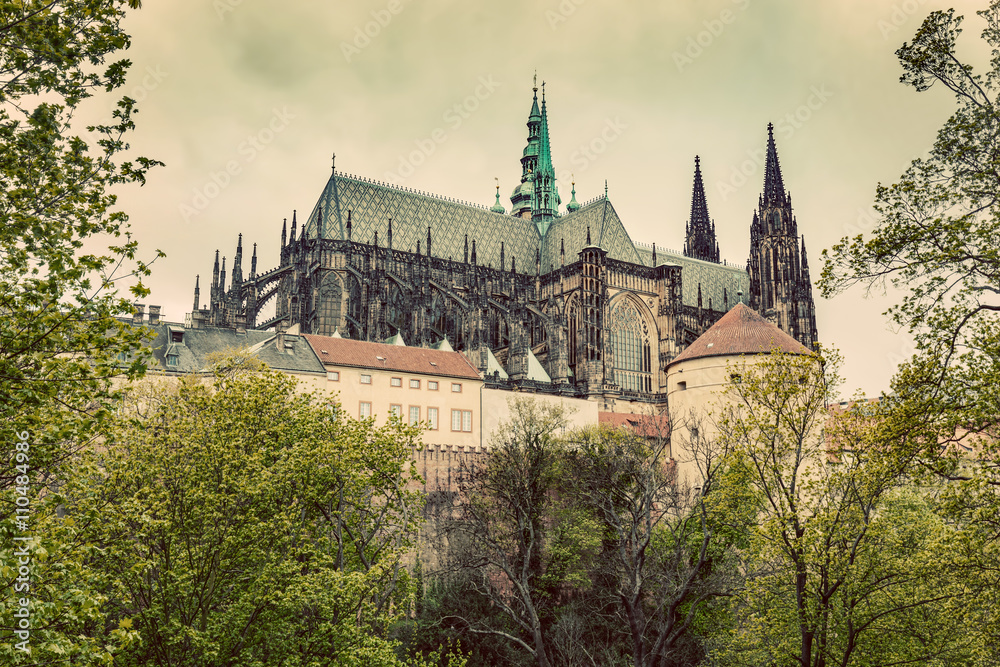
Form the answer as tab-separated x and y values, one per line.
700	242
780	288
536	197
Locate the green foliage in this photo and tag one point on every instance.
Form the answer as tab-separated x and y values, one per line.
250	524
59	340
936	241
847	564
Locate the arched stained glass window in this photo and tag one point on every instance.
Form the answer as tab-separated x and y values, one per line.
630	343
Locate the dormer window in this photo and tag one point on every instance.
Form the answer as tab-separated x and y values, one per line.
176	336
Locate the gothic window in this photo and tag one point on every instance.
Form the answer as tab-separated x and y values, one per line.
328	304
630	342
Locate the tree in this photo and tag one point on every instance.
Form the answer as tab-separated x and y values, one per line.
60	341
249	524
519	546
936	241
846	564
665	551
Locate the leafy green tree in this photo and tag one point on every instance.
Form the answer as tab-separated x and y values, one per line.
666	553
846	564
60	341
520	547
936	242
248	524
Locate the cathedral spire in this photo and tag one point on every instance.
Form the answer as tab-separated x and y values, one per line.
294	222
545	200
222	277
700	242
253	262
774	187
498	207
573	204
238	263
197	294
284	232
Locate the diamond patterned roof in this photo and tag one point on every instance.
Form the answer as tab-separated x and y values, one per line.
606	232
372	204
720	283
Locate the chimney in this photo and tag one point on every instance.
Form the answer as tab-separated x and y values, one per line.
154	315
137	314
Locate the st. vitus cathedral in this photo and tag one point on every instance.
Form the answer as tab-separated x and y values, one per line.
557	298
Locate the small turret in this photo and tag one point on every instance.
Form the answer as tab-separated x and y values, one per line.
498	207
573	204
197	294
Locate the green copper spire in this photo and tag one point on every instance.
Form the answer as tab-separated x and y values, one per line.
545	202
498	207
521	198
573	204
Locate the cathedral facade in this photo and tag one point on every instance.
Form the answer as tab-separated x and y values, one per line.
545	296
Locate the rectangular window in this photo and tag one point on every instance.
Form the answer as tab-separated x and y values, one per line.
414	384
456	387
414	415
366	379
333	376
432	385
364	410
396	382
396	410
461	420
432	419
171	360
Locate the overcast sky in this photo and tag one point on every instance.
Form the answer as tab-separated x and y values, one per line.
245	101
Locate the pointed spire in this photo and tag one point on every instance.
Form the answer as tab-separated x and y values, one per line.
222	276
654	255
473	251
294	222
238	263
498	207
389	235
513	264
253	262
562	252
700	242
428	241
348	224
319	223
588	234
215	272
774	187
284	232
466	255
375	241
503	263
197	293
573	204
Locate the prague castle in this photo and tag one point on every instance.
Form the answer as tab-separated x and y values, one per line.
545	295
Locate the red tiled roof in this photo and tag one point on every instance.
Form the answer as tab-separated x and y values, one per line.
741	331
646	425
361	354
